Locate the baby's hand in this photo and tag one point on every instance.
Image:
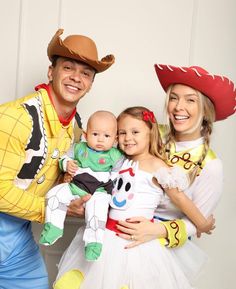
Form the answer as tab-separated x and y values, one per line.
71	167
208	226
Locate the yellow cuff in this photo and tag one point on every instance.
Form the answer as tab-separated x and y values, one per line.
177	234
163	241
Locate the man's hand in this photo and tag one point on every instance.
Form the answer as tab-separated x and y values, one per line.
67	178
76	207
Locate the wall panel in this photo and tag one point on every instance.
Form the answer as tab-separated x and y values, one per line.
40	20
214	47
9	31
139	33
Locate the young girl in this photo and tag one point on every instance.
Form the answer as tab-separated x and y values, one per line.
138	191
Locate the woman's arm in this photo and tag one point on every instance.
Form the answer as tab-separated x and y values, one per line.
142	230
139	229
206	191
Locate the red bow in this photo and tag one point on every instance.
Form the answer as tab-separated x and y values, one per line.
149	115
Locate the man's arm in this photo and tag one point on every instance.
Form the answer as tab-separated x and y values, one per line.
14	133
20	203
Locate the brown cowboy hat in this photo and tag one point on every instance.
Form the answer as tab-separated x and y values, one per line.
219	89
80	48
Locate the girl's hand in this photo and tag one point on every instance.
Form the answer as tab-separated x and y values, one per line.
208	227
139	230
71	167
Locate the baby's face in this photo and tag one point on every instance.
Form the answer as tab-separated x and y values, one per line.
101	135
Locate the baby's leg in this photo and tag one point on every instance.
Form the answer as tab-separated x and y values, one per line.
57	200
96	210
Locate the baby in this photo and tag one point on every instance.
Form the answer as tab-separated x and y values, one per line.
92	165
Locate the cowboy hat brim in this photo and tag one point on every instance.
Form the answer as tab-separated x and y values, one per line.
219	89
79	48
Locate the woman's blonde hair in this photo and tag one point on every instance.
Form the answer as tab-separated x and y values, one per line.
156	147
208	119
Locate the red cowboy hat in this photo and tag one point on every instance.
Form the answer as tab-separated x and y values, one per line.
80	48
219	89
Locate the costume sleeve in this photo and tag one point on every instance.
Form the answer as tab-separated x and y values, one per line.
170	178
14	133
207	190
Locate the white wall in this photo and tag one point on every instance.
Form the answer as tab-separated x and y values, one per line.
139	33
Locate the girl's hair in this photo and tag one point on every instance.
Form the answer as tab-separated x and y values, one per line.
156	147
206	129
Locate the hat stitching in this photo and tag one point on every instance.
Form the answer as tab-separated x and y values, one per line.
198	74
169	68
159	66
181	68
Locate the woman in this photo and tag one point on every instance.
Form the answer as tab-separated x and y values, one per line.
195	99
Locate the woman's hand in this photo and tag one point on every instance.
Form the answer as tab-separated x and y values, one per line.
76	207
140	230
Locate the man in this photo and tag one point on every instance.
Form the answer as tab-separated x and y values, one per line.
35	131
